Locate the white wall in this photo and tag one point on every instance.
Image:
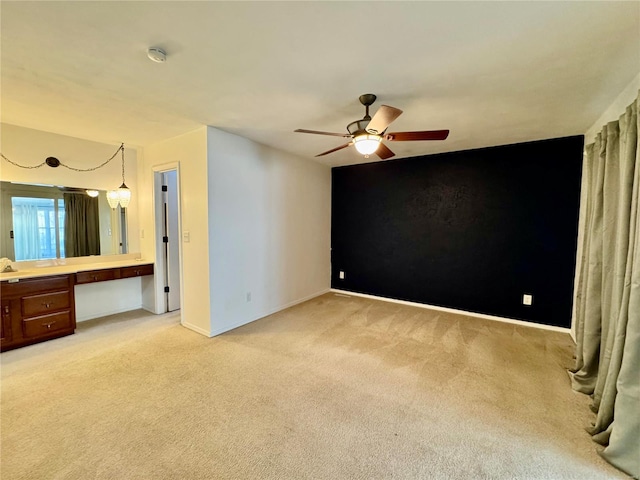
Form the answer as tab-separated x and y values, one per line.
190	152
95	300
269	229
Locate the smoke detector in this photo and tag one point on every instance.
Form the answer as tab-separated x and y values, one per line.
157	55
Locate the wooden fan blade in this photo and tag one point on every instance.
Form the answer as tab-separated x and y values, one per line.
411	136
382	119
384	152
335	149
301	130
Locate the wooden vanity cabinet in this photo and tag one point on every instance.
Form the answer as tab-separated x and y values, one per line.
42	308
36	309
136	271
96	276
92	276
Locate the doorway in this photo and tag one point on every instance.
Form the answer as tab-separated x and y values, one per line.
168	235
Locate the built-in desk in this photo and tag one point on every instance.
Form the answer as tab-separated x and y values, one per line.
102	275
38	303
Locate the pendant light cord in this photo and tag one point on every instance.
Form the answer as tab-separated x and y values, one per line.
91	169
122	150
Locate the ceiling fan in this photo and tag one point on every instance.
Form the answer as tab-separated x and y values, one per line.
367	134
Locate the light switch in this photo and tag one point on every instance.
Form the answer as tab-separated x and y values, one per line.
186	237
341	275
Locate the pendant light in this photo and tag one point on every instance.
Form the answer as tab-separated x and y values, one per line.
113	198
122	195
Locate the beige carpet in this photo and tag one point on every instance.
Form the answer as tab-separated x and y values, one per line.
333	388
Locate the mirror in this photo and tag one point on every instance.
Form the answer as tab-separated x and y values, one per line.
43	221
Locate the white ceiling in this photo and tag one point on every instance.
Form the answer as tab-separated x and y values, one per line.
492	72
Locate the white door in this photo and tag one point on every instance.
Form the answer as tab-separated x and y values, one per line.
172	235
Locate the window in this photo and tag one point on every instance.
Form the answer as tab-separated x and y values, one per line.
38	228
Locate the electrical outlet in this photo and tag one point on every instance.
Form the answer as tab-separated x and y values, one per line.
527	299
341	275
186	236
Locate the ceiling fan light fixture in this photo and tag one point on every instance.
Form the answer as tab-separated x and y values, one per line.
367	133
367	144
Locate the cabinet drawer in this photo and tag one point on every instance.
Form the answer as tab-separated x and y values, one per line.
45	303
34	285
136	271
39	326
96	276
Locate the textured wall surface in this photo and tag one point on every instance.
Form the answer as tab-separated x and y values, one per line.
472	230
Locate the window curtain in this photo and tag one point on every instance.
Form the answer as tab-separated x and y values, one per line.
81	225
608	292
26	232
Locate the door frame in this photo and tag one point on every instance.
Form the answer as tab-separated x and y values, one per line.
158	211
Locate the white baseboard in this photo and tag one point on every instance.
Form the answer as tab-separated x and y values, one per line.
196	329
453	310
300	300
269	312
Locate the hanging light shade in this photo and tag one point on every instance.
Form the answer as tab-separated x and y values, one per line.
124	195
113	198
121	196
93	193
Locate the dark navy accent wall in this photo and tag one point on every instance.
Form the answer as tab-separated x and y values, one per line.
471	230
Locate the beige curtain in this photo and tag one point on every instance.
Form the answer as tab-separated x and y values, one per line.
608	292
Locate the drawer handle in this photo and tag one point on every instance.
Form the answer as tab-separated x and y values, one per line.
137	272
47	305
48	325
95	277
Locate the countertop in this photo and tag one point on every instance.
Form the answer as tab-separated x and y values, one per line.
44	271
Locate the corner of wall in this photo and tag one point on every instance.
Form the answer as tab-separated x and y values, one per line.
617	108
190	152
269	229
